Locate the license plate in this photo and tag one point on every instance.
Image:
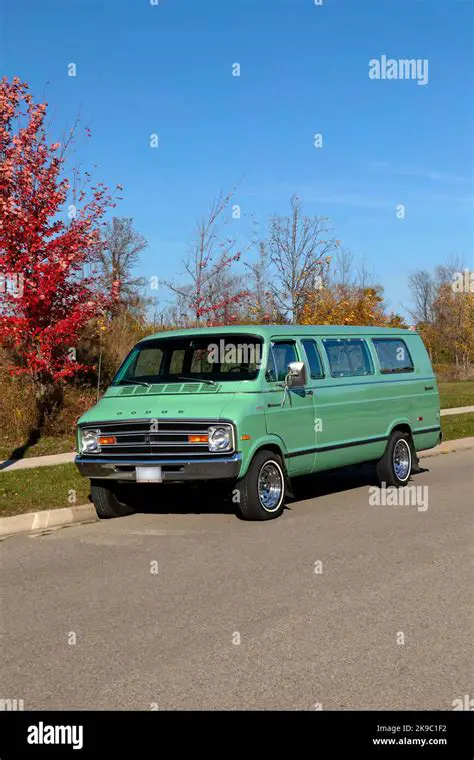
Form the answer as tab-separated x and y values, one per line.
148	475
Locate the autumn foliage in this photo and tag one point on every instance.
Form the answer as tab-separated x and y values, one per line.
44	244
348	305
449	336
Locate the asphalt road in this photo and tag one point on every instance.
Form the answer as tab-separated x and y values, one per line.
236	616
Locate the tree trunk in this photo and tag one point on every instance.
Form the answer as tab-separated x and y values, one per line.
49	399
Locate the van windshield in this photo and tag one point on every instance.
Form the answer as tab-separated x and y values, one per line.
210	358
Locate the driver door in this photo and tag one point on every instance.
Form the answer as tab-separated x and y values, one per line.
290	416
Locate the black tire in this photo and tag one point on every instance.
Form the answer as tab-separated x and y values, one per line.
398	443
264	464
107	502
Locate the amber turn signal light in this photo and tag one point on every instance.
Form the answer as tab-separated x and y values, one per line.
106	440
198	438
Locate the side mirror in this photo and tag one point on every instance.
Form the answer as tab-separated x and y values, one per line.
296	374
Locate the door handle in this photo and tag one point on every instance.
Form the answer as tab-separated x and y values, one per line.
429	387
309	393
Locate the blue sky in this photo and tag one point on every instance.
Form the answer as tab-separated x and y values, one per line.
167	69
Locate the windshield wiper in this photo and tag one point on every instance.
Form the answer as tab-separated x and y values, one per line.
135	382
196	380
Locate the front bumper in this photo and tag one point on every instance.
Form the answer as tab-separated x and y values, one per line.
172	470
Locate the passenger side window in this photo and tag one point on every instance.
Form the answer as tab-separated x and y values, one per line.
314	360
393	355
348	357
281	354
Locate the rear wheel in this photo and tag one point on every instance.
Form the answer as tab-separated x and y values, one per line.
261	492
395	467
107	500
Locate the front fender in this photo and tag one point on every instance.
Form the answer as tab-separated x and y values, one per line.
251	449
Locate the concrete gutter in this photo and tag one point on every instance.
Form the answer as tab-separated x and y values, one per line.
448	447
49	519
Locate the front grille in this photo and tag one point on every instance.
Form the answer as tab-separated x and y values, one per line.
144	439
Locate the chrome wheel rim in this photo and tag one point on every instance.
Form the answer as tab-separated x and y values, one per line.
270	486
402	459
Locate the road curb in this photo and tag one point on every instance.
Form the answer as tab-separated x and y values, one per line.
48	519
460	444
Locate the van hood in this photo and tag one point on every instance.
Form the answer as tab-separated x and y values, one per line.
172	404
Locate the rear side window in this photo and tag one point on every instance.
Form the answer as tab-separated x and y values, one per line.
314	361
393	355
348	357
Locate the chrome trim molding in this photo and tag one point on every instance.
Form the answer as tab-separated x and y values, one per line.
176	469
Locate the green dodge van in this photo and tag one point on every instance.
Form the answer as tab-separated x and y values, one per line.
249	408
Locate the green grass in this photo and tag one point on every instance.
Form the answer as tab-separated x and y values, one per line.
47	445
460	393
41	488
457	426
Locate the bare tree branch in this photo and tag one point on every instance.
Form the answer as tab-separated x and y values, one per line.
300	255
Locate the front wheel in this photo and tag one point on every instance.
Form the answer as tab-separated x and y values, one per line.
395	467
261	492
107	501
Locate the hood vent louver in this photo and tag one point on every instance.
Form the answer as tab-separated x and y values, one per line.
126	391
170	388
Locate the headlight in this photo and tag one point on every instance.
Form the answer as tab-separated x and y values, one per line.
220	438
89	444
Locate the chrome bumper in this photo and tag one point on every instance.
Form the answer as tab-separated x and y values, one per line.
179	469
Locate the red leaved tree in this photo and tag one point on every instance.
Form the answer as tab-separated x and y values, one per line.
45	300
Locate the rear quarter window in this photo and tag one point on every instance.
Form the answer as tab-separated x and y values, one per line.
393	355
348	357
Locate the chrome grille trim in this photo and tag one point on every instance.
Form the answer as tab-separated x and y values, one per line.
157	442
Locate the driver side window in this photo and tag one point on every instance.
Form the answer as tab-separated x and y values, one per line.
281	354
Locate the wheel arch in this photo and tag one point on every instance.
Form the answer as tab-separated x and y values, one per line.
403	426
270	443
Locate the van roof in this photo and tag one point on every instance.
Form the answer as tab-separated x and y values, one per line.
265	331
